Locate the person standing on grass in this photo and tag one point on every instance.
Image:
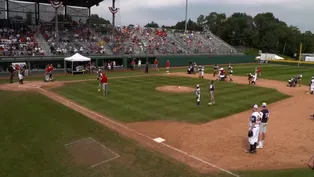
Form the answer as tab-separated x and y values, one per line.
146	67
211	91
139	63
104	83
99	75
11	71
198	94
156	64
133	64
167	66
259	72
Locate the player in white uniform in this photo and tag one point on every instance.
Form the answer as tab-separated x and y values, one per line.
198	94
201	71
230	72
312	85
254	127
139	63
99	74
254	78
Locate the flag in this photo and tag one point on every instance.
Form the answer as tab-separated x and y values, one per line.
113	10
56	3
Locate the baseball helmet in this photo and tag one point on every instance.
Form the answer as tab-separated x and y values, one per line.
255	106
197	85
264	104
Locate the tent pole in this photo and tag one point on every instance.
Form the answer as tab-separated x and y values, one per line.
72	67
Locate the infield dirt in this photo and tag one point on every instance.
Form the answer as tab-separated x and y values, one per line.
289	141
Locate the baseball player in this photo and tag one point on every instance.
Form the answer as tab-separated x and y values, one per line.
211	91
263	125
198	94
254	128
299	79
201	71
312	85
215	69
230	72
99	75
104	83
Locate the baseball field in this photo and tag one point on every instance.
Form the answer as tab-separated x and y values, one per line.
67	128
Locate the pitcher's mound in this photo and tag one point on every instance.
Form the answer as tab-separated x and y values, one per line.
175	89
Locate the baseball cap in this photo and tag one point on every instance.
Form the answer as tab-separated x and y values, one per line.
255	106
264	104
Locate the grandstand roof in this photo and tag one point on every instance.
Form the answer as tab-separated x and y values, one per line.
79	3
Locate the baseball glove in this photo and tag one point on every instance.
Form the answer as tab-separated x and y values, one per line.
250	133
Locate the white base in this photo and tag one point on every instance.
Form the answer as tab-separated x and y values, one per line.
159	140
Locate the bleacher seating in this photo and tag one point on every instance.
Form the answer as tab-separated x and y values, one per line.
75	38
19	42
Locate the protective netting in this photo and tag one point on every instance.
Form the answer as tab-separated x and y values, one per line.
2	9
78	14
21	11
47	12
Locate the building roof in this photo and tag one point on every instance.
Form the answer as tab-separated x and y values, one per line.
79	3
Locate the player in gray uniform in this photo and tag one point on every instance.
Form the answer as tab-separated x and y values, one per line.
198	94
211	91
215	70
263	125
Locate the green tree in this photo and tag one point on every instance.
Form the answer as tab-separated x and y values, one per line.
152	25
94	19
263	31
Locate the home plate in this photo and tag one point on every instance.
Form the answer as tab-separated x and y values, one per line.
159	140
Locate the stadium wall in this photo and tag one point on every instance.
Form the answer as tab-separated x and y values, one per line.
205	60
38	63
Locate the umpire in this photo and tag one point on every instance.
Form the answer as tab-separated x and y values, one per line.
146	67
11	71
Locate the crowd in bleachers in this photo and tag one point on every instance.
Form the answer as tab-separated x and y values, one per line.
72	39
19	42
76	38
202	42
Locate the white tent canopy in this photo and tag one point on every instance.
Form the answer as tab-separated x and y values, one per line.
76	58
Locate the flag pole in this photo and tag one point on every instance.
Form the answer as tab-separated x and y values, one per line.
186	16
300	54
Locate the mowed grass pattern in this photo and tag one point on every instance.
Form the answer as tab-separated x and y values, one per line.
135	99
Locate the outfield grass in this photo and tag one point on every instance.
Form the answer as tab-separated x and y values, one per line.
135	99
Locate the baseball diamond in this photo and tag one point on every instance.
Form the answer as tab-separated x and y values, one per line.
207	139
